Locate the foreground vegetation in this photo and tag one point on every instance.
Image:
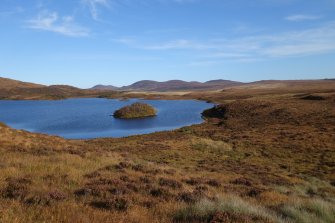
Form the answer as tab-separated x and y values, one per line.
261	156
135	110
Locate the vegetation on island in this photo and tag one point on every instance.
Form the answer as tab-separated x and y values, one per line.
135	110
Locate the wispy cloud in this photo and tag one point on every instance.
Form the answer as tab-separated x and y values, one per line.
14	11
181	1
51	21
312	41
305	42
178	44
94	5
301	17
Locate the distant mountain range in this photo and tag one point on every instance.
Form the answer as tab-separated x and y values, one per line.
104	87
13	89
172	85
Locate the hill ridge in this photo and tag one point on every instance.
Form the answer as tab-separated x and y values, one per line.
171	85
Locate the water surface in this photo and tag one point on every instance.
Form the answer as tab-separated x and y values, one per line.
91	118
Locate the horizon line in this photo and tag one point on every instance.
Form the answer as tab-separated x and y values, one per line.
106	84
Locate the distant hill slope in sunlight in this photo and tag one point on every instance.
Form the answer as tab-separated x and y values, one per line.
6	83
13	89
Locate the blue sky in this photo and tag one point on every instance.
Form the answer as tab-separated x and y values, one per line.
118	42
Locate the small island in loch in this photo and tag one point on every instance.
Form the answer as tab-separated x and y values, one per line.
136	110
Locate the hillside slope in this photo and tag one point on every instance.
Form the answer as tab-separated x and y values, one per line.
14	90
6	83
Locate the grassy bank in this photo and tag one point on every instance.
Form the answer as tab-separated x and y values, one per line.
264	158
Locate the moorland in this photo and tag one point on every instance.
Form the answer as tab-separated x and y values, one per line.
265	153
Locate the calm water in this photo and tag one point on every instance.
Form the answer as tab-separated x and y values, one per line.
91	118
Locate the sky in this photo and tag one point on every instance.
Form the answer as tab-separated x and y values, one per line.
118	42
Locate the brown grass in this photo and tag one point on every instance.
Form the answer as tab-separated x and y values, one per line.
266	158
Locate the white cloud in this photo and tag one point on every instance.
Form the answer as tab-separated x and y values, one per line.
93	6
50	21
312	41
300	17
177	44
